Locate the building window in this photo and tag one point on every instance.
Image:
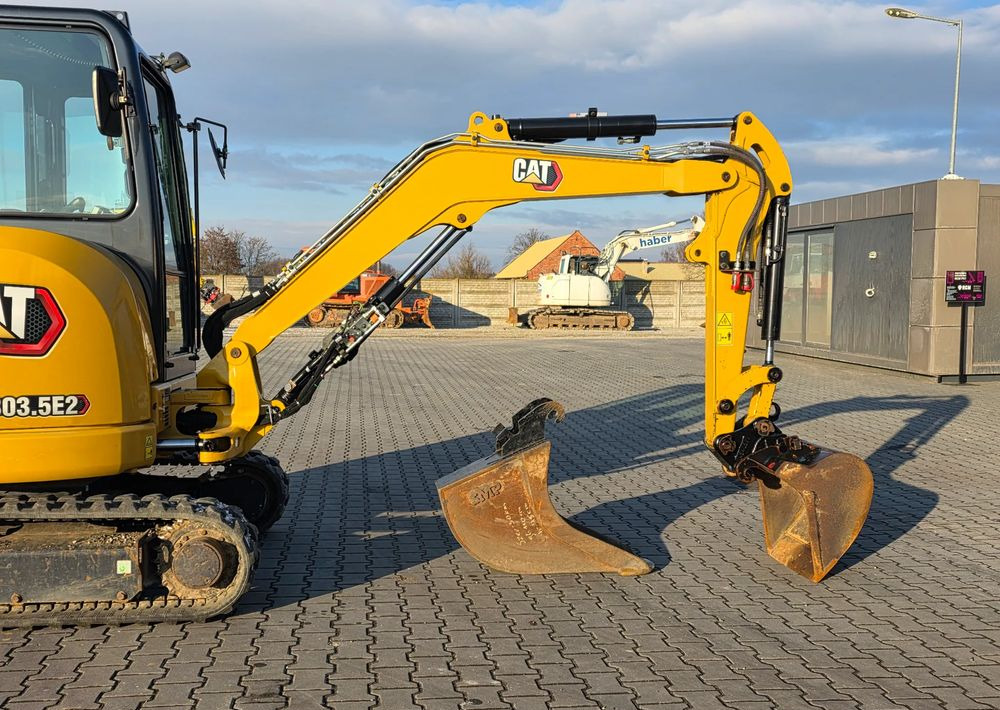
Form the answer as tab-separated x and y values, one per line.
819	289
791	299
807	300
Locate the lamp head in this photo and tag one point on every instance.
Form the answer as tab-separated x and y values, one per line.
900	13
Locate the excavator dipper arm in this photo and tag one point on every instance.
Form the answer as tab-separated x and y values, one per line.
451	183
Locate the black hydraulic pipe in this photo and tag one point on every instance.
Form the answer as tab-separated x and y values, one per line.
453	235
390	293
395	289
590	126
300	388
774	277
429	251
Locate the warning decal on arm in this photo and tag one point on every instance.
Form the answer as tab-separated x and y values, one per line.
724	329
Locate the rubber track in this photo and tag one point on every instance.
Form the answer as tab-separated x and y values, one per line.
208	513
579	318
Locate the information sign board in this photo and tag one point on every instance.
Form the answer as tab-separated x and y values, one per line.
965	287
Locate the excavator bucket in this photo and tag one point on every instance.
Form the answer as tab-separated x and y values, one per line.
423	307
499	510
813	512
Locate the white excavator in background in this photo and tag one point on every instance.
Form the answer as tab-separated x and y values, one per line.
579	295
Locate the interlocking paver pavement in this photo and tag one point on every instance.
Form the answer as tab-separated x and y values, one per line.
363	598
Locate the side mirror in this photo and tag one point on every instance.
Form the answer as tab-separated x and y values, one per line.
221	154
107	106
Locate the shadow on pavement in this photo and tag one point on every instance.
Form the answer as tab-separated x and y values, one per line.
362	519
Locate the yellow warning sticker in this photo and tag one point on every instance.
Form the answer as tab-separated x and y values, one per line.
724	329
150	448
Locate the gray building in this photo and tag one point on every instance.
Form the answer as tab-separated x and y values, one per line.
865	277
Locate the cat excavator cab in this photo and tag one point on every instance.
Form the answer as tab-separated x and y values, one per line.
106	413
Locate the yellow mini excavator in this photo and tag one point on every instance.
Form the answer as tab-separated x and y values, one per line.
103	404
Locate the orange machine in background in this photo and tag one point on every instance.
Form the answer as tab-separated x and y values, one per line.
334	309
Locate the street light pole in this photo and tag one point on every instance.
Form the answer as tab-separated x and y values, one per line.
903	14
954	112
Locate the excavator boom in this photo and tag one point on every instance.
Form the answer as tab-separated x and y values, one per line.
452	183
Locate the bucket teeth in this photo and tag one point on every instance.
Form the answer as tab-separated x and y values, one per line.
813	512
499	509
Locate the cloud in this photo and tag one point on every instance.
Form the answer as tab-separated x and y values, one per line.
984	162
323	97
287	236
391	71
856	151
296	170
602	226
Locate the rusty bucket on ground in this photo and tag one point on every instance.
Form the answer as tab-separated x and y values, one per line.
499	509
814	503
814	511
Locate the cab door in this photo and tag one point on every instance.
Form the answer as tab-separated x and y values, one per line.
179	314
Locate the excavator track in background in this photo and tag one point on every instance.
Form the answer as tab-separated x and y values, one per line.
579	318
122	559
332	315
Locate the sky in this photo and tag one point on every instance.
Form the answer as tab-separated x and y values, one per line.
323	96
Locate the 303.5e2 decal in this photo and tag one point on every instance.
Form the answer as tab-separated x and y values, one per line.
30	320
43	405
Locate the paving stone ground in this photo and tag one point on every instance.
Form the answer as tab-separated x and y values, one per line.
363	599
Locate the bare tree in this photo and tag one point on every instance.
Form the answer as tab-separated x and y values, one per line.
384	267
220	254
524	240
274	266
466	264
673	254
255	254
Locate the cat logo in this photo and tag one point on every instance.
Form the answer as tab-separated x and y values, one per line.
30	320
543	175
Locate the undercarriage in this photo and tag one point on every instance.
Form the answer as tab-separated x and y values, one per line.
139	547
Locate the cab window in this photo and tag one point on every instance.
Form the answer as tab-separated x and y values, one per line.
53	160
12	170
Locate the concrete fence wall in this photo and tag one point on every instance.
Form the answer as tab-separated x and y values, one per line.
236	285
470	303
464	303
